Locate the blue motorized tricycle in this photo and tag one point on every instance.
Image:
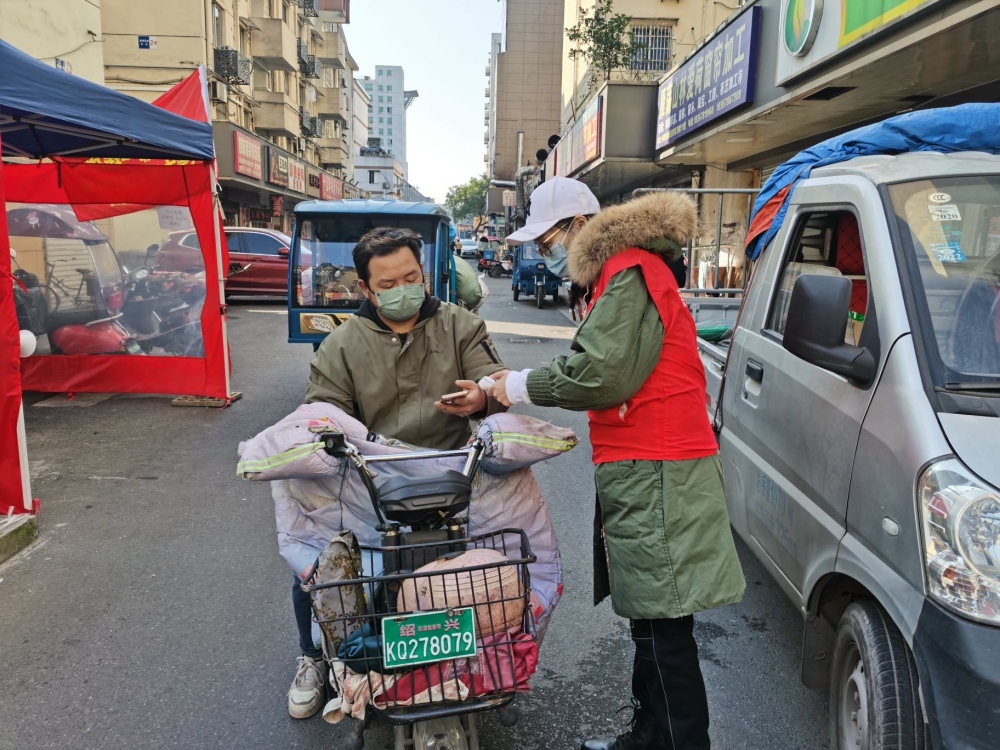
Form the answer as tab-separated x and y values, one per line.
323	282
531	276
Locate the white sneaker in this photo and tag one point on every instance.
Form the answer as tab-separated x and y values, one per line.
305	697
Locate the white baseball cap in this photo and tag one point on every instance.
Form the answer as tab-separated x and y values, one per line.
553	201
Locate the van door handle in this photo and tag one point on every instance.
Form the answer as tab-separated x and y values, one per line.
755	371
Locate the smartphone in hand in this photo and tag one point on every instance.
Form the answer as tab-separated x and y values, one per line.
450	398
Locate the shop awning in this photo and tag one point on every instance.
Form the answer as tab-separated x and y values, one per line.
45	112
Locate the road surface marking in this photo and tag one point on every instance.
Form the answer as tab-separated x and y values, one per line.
531	329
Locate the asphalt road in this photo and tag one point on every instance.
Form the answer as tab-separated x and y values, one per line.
154	611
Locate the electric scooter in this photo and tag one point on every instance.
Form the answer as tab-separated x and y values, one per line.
425	640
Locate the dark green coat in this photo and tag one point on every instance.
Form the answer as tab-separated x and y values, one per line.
662	542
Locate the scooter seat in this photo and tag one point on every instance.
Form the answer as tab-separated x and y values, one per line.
411	499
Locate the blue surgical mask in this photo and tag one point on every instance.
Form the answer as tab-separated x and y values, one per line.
555	261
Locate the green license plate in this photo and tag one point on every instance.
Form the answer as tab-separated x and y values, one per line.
428	637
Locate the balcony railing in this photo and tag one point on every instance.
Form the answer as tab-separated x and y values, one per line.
309	125
233	66
302	47
310	8
310	67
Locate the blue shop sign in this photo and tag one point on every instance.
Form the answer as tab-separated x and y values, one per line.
716	80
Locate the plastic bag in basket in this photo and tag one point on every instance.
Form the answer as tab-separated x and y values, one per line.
497	593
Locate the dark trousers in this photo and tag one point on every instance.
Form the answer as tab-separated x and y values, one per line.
667	681
302	604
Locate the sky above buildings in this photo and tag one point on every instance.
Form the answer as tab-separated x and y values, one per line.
443	46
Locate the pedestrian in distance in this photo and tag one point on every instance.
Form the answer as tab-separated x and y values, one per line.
663	548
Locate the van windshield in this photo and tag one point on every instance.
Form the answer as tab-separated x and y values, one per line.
951	234
322	257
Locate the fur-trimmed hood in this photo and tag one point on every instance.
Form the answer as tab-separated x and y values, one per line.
654	222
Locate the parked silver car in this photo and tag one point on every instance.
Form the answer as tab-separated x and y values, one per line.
860	434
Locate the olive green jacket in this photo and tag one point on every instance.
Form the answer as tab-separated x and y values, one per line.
663	547
390	383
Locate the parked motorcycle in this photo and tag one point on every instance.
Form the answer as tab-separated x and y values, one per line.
163	310
105	334
407	642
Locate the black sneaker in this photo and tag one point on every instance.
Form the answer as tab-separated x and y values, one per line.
642	733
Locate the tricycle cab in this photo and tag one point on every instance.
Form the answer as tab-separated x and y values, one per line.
323	283
530	275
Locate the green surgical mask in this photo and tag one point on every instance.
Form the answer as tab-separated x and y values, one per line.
401	302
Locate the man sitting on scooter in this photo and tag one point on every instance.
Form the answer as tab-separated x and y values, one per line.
395	366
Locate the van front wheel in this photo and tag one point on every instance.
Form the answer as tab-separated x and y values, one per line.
873	685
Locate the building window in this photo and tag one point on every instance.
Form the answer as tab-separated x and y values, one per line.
380	99
380	87
389	87
390	141
657	46
388	73
381	131
390	131
279	81
368	87
390	121
284	10
380	109
329	27
370	109
381	119
329	78
390	98
390	110
380	72
373	176
217	33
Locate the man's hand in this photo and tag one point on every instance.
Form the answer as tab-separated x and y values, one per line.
499	391
465	406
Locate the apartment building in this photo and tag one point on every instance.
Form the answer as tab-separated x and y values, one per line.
608	118
361	103
63	33
387	110
668	32
280	99
524	85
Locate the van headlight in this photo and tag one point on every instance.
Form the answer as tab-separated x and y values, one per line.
961	527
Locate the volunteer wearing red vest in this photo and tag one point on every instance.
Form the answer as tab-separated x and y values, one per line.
663	548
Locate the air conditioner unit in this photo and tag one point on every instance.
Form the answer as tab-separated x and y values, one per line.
219	91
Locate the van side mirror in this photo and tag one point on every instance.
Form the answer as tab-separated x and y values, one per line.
816	326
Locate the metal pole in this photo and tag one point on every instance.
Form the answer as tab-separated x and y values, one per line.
718	243
697	191
690	268
520	148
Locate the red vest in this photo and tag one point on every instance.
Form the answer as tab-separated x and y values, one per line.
667	420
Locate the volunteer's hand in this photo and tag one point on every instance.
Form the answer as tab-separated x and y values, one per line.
465	406
499	391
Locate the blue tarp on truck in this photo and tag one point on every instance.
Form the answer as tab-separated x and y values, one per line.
968	127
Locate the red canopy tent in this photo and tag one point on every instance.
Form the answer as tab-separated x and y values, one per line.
108	156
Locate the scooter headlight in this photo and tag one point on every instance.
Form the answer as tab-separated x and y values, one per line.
961	528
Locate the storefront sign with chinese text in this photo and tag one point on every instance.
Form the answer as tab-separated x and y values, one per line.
296	176
277	170
814	32
331	189
277	205
716	80
582	143
247	158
